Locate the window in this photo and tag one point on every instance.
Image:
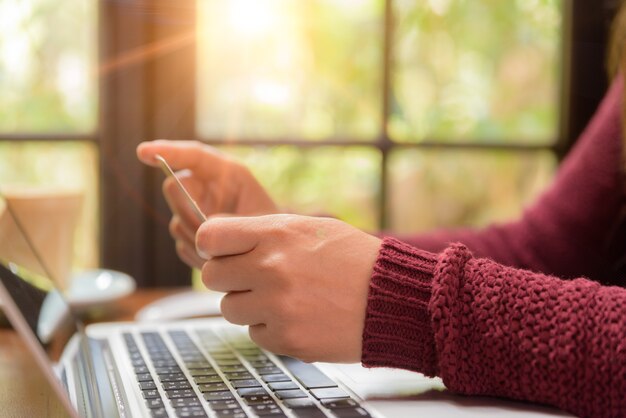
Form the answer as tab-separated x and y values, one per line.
48	107
402	114
399	114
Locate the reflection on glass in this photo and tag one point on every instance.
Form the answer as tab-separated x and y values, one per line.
47	60
283	68
484	70
341	182
52	167
430	189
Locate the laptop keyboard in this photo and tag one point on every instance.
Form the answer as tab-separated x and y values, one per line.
237	380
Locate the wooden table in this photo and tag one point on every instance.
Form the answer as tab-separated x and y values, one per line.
24	391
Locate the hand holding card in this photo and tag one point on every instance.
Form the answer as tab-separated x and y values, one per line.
170	173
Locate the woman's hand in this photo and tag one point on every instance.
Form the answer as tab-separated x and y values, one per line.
217	183
300	283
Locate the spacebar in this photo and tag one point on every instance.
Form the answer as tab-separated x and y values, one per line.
307	374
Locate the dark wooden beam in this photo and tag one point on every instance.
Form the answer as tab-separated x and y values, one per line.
587	75
146	62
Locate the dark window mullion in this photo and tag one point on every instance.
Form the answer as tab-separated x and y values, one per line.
385	144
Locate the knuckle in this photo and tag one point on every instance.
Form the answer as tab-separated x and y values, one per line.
180	249
256	334
292	341
174	227
208	274
275	267
168	186
206	235
226	307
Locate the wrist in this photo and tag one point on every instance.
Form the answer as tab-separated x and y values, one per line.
398	330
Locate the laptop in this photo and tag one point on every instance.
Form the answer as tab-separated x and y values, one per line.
208	368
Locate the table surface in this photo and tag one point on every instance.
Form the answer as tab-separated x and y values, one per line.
24	391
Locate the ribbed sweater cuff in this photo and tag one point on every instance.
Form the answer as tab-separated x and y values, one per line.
398	331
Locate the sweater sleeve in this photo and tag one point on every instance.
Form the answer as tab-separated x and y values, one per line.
489	329
569	229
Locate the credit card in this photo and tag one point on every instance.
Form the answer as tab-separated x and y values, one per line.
170	173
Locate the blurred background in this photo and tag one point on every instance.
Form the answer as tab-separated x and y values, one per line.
404	115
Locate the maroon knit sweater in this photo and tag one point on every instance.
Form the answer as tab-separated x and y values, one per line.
485	319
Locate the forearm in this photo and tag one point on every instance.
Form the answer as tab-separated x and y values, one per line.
493	330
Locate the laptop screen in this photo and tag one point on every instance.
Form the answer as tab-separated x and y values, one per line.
45	311
33	303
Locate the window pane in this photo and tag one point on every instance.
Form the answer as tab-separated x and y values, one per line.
48	166
341	182
431	189
47	56
485	70
284	68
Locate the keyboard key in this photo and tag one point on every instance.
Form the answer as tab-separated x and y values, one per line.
147	385
243	392
174	377
238	376
339	403
141	369
239	368
258	399
213	387
198	365
164	363
190	411
158	413
154	403
207	371
249	383
298	403
144	377
227	404
223	355
307	374
207	379
268	370
138	362
276	378
231	413
290	394
180	393
176	385
327	393
150	394
180	402
283	385
195	414
218	396
167	370
228	362
351	413
309	413
266	409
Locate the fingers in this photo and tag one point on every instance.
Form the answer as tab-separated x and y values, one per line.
177	200
194	155
218	237
263	336
188	254
235	273
242	308
180	232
